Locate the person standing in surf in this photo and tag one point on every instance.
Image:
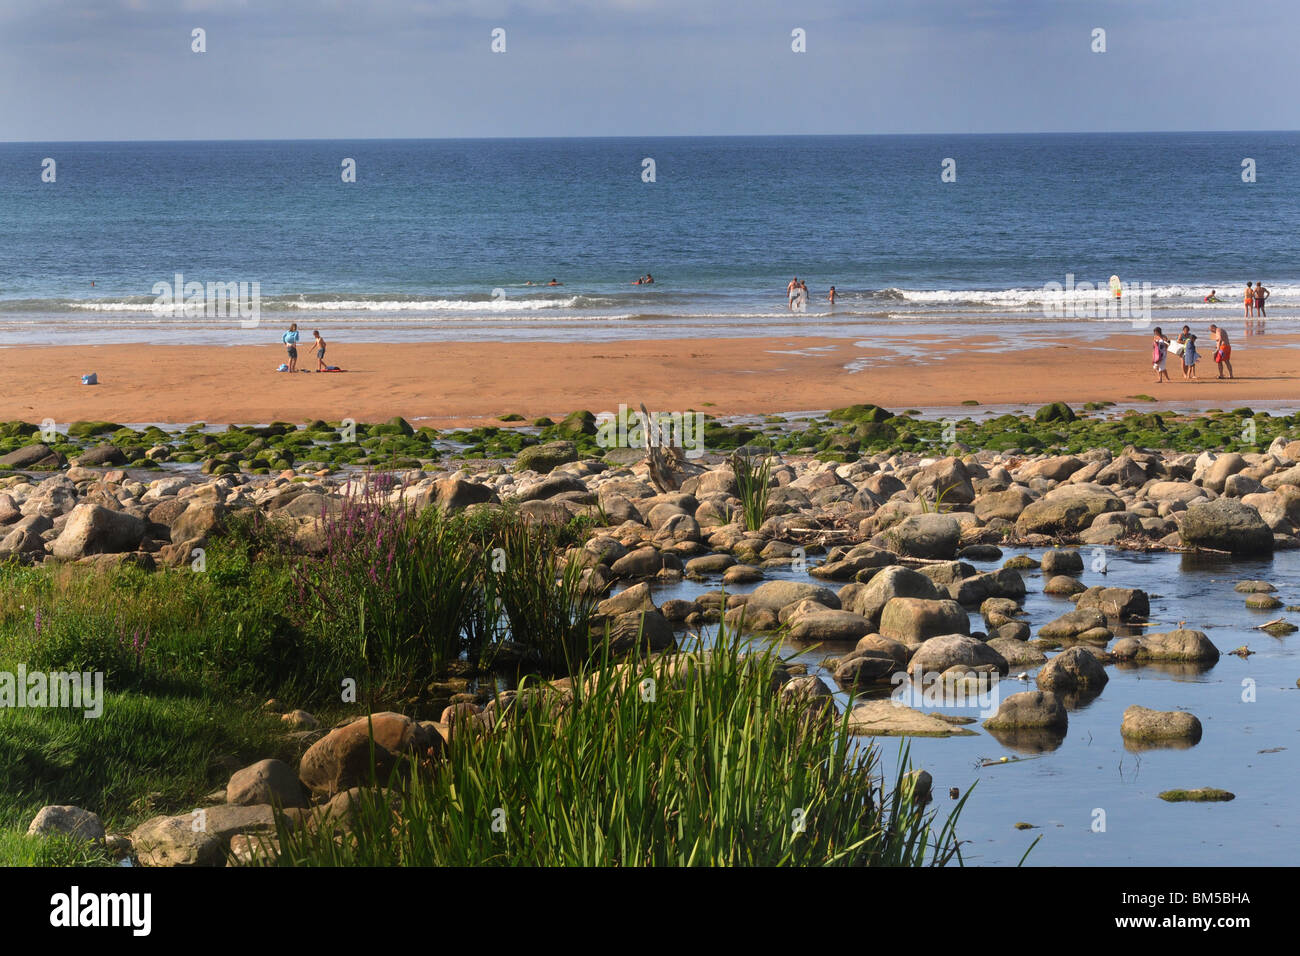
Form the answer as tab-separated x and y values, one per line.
830	297
792	292
1250	301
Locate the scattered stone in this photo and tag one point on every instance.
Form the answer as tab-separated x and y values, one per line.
1143	724
1072	670
1029	709
69	820
267	781
886	718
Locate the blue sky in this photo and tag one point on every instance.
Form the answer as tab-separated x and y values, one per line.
123	69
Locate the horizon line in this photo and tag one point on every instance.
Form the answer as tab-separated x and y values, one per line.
644	136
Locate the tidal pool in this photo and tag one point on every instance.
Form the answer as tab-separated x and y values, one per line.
1094	800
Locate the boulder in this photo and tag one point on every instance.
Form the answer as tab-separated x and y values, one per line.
887	718
543	458
1122	603
1142	723
1031	709
821	626
1068	509
1225	524
101	455
1062	562
635	598
68	820
1072	623
938	654
1057	468
266	782
199	838
204	518
1180	645
641	563
1017	652
638	631
865	670
1006	505
914	620
889	583
1063	584
1072	670
946	481
92	529
774	595
341	759
881	646
925	536
456	494
33	456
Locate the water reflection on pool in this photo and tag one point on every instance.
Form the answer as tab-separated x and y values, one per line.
1093	798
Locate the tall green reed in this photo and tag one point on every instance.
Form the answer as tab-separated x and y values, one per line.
688	759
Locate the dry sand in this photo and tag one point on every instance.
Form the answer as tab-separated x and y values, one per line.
442	384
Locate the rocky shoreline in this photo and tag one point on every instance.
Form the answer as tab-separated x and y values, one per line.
888	539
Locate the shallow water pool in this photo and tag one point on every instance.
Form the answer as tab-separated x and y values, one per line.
1094	800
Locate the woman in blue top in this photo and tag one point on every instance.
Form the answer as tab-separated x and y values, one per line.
1189	353
290	339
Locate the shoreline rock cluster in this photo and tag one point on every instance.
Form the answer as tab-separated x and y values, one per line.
886	541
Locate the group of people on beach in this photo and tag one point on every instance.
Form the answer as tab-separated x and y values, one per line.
290	340
1185	348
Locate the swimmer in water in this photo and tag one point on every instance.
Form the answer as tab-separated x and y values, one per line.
553	282
830	297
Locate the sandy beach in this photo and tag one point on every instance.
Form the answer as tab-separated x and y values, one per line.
445	384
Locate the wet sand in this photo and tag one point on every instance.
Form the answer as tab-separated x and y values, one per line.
444	384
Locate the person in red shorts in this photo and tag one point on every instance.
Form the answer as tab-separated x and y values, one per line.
1222	350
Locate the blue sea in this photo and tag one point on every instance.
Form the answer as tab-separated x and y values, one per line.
439	239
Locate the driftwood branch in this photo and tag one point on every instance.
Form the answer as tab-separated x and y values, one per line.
664	463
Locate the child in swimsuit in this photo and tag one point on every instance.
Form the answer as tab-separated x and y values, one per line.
1159	352
320	350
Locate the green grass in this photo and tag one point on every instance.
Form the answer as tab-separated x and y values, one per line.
145	755
18	849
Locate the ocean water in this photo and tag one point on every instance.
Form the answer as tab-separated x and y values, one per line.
438	239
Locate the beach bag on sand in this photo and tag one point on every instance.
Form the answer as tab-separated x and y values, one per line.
283	367
91	379
1178	347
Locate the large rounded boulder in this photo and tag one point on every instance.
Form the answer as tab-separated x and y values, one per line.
1225	524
